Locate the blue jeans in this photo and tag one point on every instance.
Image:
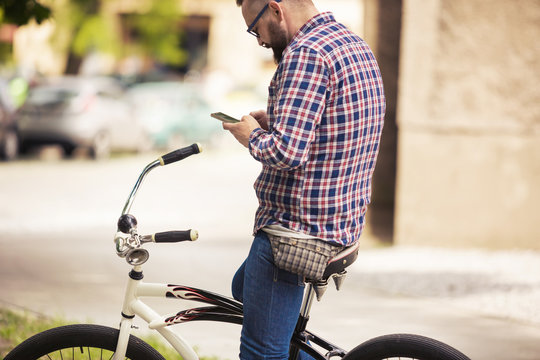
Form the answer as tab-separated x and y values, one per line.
272	299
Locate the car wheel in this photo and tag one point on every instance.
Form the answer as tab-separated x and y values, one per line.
101	146
68	150
9	148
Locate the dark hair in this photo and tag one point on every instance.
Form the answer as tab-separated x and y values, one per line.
239	2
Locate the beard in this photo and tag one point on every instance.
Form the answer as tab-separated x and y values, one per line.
279	41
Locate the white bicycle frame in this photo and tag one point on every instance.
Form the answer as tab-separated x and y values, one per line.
223	309
133	306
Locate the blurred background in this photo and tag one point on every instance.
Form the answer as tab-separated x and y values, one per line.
459	165
90	90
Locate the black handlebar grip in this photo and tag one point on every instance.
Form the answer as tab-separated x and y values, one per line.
180	154
176	236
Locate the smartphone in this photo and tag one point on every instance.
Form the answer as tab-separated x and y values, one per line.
224	117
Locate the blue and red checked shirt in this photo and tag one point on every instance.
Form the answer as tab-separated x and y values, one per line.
325	113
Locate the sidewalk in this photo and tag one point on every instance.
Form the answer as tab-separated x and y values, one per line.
503	284
484	303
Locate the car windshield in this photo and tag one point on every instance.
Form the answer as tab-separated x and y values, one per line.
48	95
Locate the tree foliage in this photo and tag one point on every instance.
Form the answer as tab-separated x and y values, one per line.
157	32
154	31
20	12
82	27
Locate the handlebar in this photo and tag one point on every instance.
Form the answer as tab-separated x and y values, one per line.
128	242
127	224
180	154
175	236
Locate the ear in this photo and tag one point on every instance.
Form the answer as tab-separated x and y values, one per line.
276	10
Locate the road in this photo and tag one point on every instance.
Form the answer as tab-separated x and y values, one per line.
58	218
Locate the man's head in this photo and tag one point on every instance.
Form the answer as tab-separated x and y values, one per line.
274	23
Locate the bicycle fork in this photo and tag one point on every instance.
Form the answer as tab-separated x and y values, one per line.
128	314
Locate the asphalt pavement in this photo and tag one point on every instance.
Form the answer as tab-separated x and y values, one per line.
58	218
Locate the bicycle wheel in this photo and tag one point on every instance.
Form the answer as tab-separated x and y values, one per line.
73	342
404	346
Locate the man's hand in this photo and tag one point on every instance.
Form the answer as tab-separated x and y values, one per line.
243	129
261	117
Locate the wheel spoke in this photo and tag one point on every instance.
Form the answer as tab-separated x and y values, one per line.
80	353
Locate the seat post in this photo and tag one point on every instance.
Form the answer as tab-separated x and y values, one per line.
309	295
303	318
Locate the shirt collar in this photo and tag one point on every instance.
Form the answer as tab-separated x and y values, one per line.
317	20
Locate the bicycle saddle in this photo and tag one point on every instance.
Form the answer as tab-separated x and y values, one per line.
342	260
335	268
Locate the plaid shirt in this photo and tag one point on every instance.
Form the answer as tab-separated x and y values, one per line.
325	109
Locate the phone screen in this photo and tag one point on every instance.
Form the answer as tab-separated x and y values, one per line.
224	117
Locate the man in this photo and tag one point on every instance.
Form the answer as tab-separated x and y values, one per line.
317	143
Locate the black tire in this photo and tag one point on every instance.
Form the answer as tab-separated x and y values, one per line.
69	149
404	346
9	147
73	342
101	146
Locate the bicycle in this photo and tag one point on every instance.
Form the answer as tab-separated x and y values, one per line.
101	342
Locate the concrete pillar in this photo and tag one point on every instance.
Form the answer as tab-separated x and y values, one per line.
469	124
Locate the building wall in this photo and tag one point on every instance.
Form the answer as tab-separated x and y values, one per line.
469	124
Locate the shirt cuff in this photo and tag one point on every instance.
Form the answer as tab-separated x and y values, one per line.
253	142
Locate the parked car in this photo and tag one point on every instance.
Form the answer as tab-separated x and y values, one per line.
82	112
9	138
173	113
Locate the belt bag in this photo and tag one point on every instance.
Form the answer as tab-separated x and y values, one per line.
305	257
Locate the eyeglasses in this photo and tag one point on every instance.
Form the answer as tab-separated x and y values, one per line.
257	18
